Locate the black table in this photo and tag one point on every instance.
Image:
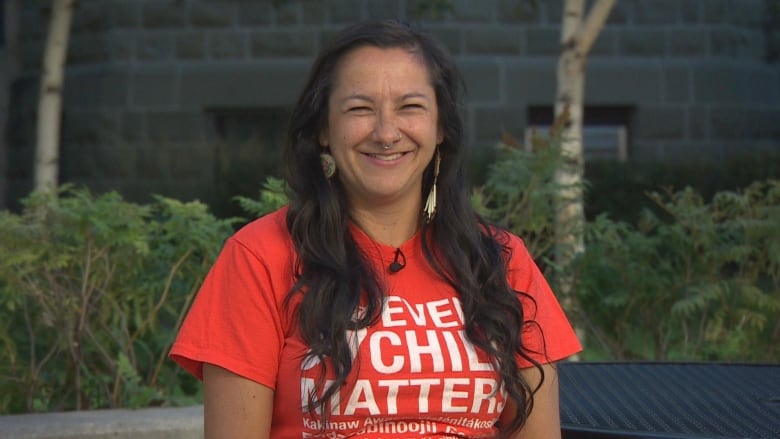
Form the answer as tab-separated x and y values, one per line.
670	400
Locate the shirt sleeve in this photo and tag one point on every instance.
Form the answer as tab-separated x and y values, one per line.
547	333
235	320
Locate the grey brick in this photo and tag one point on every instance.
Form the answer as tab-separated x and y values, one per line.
483	80
153	86
717	11
543	41
688	42
229	44
492	41
468	11
314	12
642	42
691	11
657	12
132	126
763	86
241	84
174	126
531	81
699	126
154	46
384	9
450	36
211	15
617	82
287	13
102	88
283	43
658	123
252	13
87	48
90	17
191	44
491	122
606	43
622	12
164	14
346	11
124	14
517	11
677	84
730	123
715	82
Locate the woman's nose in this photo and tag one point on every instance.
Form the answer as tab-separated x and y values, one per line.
386	129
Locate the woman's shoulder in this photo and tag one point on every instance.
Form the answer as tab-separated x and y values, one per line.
265	234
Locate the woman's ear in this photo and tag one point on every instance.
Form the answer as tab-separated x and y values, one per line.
324	138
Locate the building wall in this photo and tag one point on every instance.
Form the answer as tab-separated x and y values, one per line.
152	85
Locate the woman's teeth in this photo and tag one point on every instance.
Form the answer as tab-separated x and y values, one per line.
386	157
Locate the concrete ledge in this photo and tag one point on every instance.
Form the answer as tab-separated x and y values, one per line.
153	423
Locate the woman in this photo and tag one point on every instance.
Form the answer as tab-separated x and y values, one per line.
377	304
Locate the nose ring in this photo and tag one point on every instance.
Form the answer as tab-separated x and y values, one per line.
387	146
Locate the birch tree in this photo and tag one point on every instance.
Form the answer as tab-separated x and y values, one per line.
46	173
578	32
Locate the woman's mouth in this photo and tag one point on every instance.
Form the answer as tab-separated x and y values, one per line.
387	157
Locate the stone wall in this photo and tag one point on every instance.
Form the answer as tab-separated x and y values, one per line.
151	84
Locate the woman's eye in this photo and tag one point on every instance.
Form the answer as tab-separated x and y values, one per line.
359	109
412	106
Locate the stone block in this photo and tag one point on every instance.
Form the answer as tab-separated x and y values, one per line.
763	85
736	43
174	126
730	123
616	82
657	12
154	46
493	41
450	36
468	11
677	85
346	11
530	81
287	13
384	9
699	122
242	84
102	87
490	123
87	127
661	122
211	15
190	45
251	13
543	41
719	82
646	42
132	126
287	43
517	11
619	15
483	80
90	18
153	86
86	49
124	14
314	13
690	11
228	44
606	43
688	42
160	15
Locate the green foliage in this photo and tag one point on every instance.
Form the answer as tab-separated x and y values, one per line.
692	280
520	191
92	292
272	197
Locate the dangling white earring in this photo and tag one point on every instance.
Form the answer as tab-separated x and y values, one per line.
430	204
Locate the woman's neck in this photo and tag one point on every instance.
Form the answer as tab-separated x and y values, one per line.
391	225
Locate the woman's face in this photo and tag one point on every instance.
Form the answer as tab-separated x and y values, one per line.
382	97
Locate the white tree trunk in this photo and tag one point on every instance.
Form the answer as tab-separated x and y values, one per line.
577	36
50	100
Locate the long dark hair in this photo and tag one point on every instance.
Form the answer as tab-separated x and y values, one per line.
333	274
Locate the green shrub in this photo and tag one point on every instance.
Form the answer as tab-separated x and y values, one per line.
92	292
690	281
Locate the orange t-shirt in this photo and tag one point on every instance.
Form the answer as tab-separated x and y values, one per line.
415	375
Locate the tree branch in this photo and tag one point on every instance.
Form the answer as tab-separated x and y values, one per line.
592	25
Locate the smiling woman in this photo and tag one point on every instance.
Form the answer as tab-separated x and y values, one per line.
361	310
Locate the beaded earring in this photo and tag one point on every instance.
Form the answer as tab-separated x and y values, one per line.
328	165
